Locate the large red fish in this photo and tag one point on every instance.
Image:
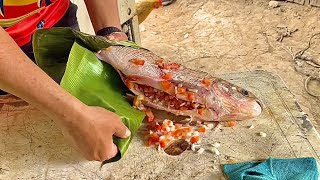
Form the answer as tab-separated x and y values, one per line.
174	88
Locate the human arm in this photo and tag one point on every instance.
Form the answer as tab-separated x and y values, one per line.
105	13
89	129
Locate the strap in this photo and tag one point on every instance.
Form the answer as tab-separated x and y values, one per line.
107	31
46	18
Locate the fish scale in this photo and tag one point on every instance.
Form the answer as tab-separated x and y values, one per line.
219	100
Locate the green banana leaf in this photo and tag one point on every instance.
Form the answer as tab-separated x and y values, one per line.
52	46
66	55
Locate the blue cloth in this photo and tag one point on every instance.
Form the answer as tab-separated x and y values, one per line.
274	169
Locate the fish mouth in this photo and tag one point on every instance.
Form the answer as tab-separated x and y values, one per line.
257	107
251	109
260	103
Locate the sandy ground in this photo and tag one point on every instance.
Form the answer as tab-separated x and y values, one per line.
232	36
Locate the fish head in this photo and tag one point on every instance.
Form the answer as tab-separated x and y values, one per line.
240	103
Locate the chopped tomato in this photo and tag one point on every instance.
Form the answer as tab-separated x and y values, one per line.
177	133
184	134
181	90
201	111
167	76
166	85
231	123
149	143
139	62
159	61
191	96
206	82
201	129
164	142
178	126
168	135
164	127
186	129
174	66
161	64
194	139
165	66
150	116
129	84
154	137
157	127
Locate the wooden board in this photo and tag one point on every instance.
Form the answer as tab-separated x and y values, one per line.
299	1
315	3
306	2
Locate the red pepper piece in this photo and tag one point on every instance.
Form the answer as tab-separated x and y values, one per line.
150	116
174	66
139	62
206	82
167	76
166	85
194	139
191	96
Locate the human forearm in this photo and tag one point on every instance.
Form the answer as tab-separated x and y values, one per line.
103	13
89	129
21	77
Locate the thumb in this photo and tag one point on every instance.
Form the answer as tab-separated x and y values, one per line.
122	131
114	151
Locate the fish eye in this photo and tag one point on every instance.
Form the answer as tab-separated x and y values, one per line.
244	92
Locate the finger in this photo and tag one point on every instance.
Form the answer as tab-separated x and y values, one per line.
122	131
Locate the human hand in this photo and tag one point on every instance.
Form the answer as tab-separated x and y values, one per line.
117	36
91	130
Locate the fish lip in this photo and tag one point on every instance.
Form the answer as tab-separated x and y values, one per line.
260	103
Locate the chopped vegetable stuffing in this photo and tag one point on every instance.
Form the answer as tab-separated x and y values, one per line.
206	82
167	132
167	76
163	134
231	124
138	62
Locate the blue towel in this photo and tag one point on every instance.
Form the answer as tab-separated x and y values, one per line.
274	169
